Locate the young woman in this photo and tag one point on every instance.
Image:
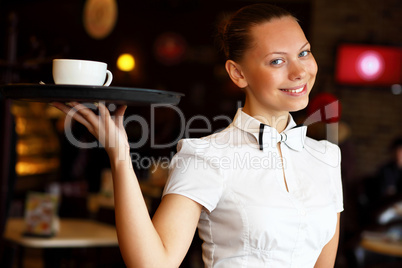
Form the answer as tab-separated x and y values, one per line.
261	193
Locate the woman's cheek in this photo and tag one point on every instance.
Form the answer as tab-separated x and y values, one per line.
313	67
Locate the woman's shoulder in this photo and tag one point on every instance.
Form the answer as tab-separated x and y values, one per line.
324	151
207	144
321	144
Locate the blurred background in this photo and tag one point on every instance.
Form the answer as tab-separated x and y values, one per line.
169	45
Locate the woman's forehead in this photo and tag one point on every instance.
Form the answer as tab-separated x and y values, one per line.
278	34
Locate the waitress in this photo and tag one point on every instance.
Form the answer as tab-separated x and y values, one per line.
261	193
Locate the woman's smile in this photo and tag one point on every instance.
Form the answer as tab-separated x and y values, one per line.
295	91
278	70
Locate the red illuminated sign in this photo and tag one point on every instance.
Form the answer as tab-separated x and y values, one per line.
368	65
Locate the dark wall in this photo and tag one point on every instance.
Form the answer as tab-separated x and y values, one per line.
51	29
373	114
54	29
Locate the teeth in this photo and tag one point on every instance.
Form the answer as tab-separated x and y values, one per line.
297	90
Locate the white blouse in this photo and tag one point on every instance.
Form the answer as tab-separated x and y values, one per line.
249	217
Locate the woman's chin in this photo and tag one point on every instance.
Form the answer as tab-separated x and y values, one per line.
299	106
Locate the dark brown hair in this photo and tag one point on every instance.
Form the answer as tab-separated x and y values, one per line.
234	34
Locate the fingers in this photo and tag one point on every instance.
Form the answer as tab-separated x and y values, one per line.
120	110
103	110
120	115
84	110
69	111
83	114
74	110
108	130
61	106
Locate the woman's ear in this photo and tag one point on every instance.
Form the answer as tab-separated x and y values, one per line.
236	74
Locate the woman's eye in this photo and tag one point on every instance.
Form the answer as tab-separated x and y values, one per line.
304	53
276	62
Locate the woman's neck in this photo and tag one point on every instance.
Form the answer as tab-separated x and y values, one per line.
277	120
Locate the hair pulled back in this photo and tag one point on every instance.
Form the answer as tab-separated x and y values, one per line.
235	37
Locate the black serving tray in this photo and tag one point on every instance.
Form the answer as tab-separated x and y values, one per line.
67	93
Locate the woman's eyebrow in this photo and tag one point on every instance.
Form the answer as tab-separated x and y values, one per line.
285	52
304	45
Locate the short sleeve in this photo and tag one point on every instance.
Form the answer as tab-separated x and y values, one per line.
337	181
194	175
329	154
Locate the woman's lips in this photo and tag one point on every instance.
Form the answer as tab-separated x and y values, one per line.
295	91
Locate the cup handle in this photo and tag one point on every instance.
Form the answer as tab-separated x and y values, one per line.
109	78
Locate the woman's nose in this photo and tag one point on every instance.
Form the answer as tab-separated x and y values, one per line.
297	71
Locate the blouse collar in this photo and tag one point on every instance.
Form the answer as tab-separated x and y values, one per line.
251	124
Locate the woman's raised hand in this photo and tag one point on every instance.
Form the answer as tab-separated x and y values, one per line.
108	129
160	242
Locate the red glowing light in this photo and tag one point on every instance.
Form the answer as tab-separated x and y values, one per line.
368	65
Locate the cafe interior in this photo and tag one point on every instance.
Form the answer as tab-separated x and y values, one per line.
169	45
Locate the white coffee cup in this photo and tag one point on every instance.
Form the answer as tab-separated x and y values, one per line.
81	72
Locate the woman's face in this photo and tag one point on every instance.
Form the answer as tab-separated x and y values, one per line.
279	68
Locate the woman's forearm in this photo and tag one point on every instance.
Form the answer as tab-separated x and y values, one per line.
139	242
162	242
